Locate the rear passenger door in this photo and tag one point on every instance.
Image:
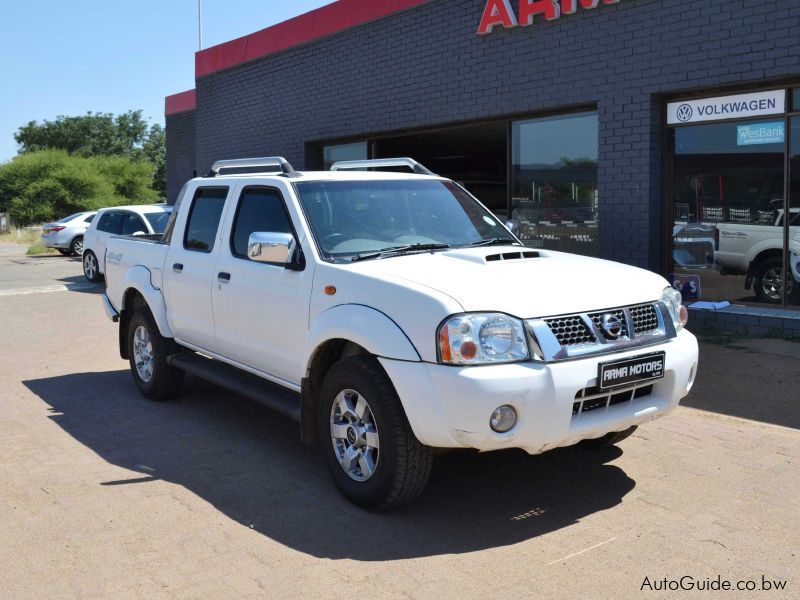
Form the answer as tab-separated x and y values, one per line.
189	268
260	309
110	223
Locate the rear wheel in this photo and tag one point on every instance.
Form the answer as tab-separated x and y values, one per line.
148	352
769	281
366	440
76	247
91	269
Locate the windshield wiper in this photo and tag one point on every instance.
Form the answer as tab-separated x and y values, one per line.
398	250
493	242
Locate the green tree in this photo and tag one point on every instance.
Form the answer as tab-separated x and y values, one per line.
100	134
49	184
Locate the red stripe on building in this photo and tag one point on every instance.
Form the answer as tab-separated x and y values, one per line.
310	26
178	103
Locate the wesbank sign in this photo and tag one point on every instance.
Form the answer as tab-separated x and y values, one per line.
501	12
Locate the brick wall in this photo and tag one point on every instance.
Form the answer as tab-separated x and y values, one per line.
180	152
426	66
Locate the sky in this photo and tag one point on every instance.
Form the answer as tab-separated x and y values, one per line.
68	57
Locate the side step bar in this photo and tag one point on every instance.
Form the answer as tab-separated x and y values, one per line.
270	395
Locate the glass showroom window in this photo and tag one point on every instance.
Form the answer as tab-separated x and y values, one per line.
728	200
554	193
794	209
333	154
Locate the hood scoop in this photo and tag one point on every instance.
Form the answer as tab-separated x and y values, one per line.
521	255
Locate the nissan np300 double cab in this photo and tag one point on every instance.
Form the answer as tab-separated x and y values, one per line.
390	314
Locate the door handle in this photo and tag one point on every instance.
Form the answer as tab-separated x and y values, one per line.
224	277
177	267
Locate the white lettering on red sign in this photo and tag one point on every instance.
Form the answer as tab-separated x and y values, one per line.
501	12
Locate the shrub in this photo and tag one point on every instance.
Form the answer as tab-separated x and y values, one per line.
50	184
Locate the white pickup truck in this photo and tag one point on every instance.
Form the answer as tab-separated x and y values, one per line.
391	314
757	252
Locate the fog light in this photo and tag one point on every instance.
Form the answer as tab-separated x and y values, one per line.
503	419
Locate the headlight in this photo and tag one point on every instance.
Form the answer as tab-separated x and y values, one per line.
674	301
483	338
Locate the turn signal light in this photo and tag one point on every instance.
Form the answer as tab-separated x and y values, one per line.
683	315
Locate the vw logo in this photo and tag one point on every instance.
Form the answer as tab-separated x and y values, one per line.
612	326
685	113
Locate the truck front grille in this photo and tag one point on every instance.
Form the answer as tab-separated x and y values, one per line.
580	335
570	331
644	318
589	399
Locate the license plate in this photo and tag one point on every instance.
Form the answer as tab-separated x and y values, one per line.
628	371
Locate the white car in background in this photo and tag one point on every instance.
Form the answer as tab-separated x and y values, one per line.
146	220
66	235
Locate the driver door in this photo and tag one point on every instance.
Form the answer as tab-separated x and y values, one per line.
260	309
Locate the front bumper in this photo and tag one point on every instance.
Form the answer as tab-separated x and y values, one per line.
450	407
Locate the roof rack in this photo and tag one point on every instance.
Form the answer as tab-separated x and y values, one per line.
382	162
248	163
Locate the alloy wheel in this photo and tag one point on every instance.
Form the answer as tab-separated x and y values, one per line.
143	353
90	266
354	435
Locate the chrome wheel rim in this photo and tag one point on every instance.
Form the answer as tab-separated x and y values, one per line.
143	353
354	435
78	247
89	266
772	283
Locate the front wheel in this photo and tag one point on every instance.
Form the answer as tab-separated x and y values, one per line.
147	354
91	269
366	441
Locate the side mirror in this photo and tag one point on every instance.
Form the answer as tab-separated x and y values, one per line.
272	248
513	226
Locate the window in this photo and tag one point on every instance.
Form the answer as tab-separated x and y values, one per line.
89	219
554	193
333	154
158	221
203	222
728	196
260	209
132	223
111	222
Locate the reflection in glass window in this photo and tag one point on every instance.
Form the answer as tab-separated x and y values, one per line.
333	154
555	182
728	181
794	211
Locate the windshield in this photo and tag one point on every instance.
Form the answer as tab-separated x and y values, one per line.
158	221
349	218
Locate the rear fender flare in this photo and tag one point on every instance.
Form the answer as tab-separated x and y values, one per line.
138	278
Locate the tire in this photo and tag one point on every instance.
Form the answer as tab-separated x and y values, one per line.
401	465
76	247
91	268
609	439
768	280
148	352
63	251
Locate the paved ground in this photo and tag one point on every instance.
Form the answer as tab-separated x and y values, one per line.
103	494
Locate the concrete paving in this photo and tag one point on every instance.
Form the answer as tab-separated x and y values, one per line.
104	494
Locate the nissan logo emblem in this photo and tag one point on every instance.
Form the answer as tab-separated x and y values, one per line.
612	326
685	113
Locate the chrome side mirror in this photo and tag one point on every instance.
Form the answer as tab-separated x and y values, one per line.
272	248
513	226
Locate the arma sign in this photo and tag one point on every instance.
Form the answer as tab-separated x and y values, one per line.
500	12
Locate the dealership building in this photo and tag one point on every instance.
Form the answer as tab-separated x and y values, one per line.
659	133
